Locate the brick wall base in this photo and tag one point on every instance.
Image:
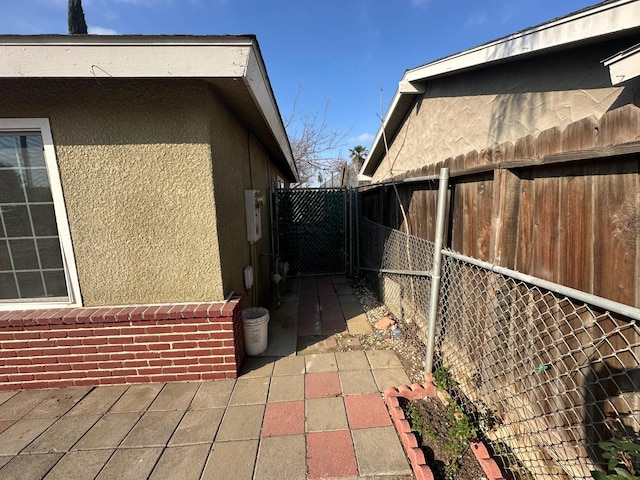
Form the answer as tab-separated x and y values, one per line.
120	345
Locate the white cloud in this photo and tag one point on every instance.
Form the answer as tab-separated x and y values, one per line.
95	30
362	138
477	18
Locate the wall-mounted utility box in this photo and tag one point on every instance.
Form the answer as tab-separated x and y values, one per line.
253	200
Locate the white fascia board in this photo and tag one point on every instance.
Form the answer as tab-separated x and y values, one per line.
624	66
258	85
379	140
586	24
123	60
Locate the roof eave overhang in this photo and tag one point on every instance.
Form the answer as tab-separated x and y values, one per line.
185	57
624	65
604	20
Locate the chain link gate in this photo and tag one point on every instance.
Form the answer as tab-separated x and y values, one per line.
314	229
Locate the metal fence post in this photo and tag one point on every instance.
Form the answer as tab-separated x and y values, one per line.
443	186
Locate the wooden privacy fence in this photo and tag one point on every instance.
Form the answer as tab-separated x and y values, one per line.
547	376
563	206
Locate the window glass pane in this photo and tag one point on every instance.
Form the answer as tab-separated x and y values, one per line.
31	262
30	284
56	284
8	288
50	254
5	260
37	185
16	221
24	254
9	151
44	220
11	190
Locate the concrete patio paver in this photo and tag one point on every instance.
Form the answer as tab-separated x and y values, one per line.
271	464
153	430
30	467
250	391
231	460
379	452
181	463
326	414
213	395
356	382
241	423
197	426
81	465
295	416
331	455
283	418
63	434
109	431
130	463
286	388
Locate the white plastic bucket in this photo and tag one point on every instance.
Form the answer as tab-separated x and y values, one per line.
255	321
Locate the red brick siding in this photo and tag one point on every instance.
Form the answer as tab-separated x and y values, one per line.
118	345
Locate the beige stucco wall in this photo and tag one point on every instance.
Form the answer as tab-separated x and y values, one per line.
135	165
472	111
239	163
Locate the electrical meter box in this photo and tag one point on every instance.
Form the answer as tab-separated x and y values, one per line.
253	200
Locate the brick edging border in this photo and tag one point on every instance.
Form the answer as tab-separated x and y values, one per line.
408	438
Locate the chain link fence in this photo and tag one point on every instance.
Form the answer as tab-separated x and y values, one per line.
545	377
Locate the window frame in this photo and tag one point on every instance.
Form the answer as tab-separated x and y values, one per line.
42	127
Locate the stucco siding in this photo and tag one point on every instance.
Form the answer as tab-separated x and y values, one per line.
475	110
135	165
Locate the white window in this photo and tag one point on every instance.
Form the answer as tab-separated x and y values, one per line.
37	266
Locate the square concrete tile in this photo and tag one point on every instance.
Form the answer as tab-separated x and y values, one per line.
293	365
30	467
214	394
333	327
285	389
197	426
83	465
6	395
283	418
352	361
379	452
355	382
383	359
181	463
319	385
20	404
331	455
231	460
22	433
282	457
390	377
366	411
358	324
63	434
250	391
99	401
257	367
321	362
58	402
175	396
130	463
241	423
154	429
108	432
326	414
137	398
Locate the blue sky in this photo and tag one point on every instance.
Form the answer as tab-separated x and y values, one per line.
349	53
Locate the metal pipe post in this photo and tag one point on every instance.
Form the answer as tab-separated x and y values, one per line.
443	187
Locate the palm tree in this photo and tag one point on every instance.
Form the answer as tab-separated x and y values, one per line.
77	24
358	155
